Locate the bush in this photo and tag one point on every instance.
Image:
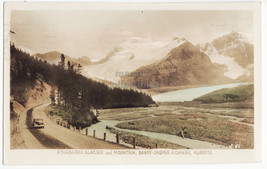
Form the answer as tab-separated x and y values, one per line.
74	116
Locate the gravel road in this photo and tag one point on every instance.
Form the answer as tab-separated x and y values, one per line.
57	137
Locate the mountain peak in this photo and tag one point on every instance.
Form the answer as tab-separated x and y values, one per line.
54	52
233	37
179	41
183	51
52	56
184	65
232	50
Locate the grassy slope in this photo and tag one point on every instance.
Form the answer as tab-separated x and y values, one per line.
236	94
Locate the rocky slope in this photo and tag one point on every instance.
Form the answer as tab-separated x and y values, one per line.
236	46
184	65
38	95
234	51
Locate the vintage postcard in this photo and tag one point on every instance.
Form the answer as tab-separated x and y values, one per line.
132	83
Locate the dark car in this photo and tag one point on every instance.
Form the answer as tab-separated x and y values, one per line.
38	123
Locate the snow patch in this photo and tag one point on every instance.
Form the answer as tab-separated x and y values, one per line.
234	70
237	36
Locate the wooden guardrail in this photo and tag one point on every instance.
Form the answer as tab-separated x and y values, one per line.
79	130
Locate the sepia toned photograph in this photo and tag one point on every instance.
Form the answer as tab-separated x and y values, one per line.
137	82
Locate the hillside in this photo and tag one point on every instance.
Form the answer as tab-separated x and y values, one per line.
236	94
75	90
37	95
184	65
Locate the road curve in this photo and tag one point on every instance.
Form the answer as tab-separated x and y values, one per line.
44	139
57	137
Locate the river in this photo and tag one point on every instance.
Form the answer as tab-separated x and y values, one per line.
100	129
180	95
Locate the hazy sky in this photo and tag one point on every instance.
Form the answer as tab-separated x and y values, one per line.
95	33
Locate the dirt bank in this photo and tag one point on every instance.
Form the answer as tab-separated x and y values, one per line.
38	95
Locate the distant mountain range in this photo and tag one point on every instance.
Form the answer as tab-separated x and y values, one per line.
145	62
228	58
55	57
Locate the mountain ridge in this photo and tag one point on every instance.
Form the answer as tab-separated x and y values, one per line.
123	59
184	65
232	50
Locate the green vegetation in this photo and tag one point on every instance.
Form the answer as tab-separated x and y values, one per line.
73	116
199	126
236	94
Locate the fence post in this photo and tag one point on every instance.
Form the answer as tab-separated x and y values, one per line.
94	134
117	139
134	143
80	129
156	145
86	131
74	127
104	136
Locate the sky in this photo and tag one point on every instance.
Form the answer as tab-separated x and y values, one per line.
95	33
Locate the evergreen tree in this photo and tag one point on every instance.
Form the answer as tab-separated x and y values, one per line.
79	68
52	95
73	89
62	63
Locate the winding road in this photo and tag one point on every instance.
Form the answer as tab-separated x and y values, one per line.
57	137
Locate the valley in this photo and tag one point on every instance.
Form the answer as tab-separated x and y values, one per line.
215	123
184	98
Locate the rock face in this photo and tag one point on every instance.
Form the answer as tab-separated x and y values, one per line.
184	65
236	46
234	51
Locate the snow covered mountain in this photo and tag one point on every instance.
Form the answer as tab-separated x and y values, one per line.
129	56
234	51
